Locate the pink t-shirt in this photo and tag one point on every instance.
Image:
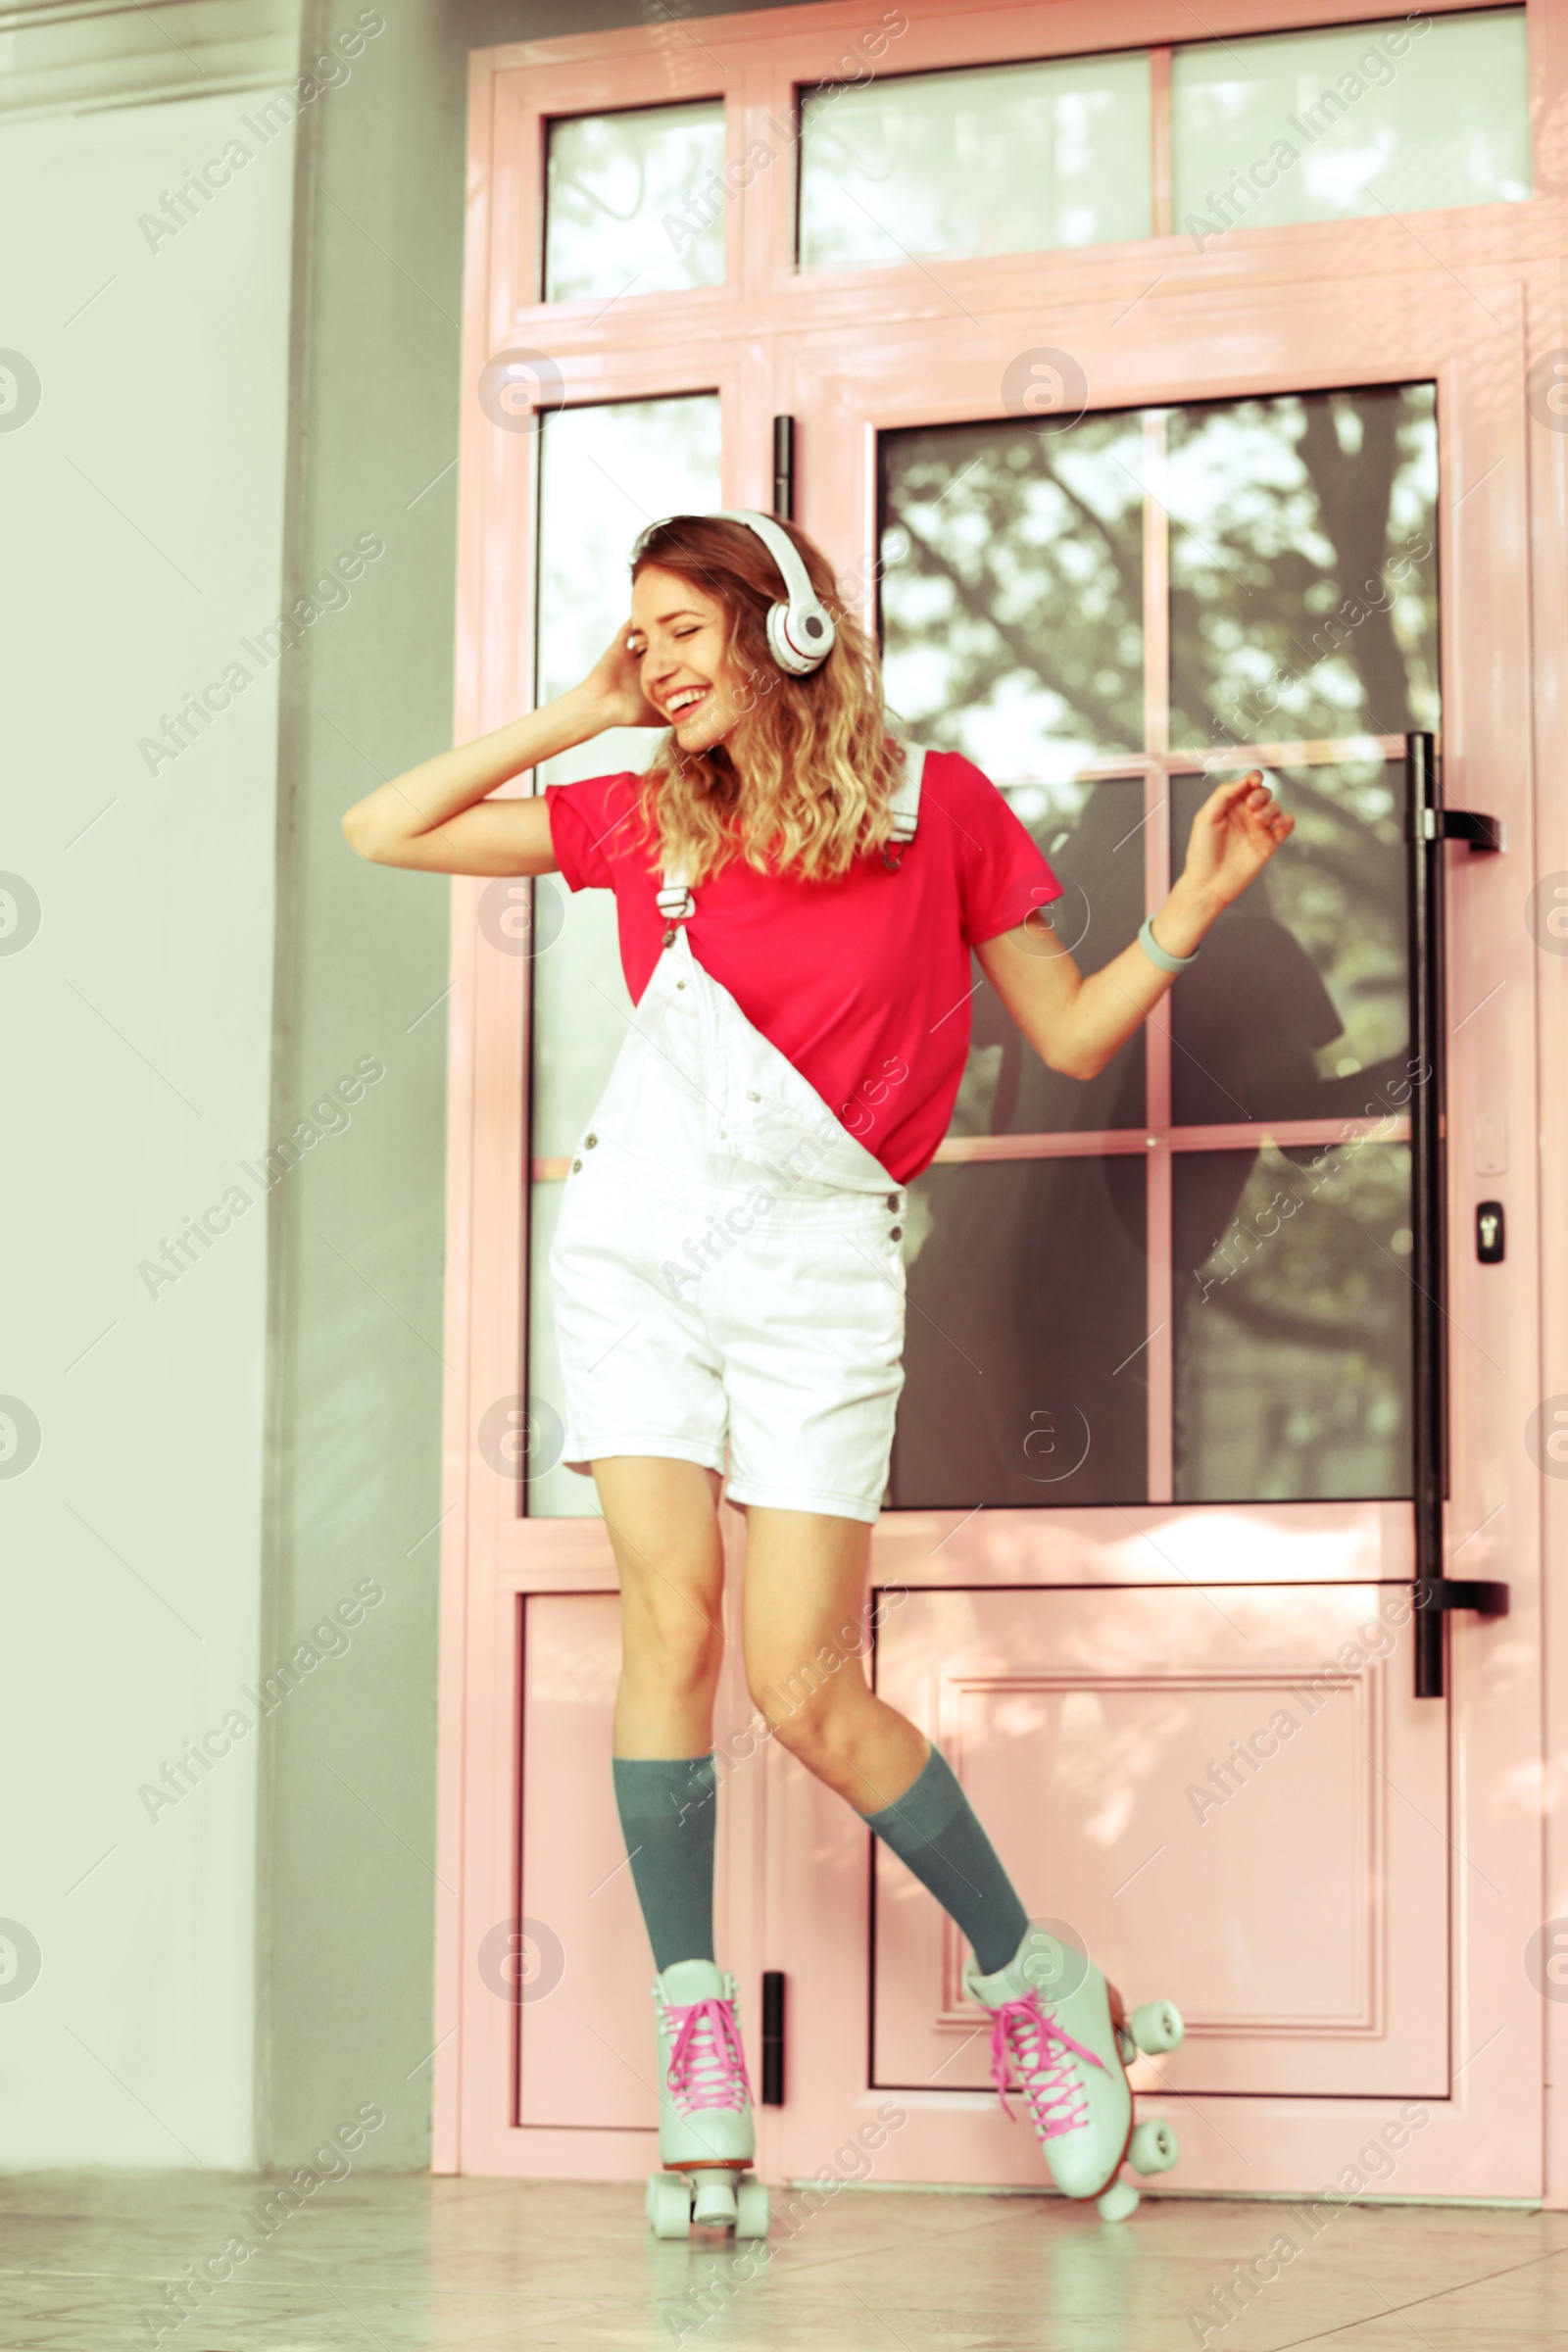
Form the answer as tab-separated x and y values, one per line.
865	983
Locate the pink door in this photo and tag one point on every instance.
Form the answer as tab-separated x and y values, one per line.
1157	1448
1183	1342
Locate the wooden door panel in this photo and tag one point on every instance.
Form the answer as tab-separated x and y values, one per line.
1214	1800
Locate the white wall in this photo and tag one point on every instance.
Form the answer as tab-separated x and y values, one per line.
141	511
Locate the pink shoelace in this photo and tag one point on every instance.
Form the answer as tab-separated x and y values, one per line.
707	2064
1043	2054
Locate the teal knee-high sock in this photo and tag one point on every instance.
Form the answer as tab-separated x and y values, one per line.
933	1830
667	1817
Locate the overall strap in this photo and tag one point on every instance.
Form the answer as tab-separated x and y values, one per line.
907	799
905	806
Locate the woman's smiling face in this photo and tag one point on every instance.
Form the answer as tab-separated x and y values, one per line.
679	637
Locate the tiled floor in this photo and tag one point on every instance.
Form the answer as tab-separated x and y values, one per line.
414	2265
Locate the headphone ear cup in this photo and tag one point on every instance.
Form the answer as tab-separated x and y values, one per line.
789	656
823	645
790	660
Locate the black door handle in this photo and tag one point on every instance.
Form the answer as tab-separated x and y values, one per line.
1480	1594
1483	833
1427	825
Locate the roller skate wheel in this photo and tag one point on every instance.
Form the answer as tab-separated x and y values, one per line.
1158	2025
714	2204
670	2205
751	2210
1118	2202
1153	2147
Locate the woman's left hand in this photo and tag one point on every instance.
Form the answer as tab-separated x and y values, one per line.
1234	835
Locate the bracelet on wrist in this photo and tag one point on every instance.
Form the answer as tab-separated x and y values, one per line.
1161	956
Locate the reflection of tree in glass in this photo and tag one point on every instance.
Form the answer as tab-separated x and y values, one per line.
1013	573
1012	591
1013	614
1029	1293
1340	895
609	173
1293	1337
1094	842
1297	1007
1303	581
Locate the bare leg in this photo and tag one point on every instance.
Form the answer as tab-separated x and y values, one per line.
663	1519
806	1640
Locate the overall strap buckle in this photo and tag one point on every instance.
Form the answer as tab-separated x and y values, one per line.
675	903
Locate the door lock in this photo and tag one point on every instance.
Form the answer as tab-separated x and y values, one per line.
773	2037
1491	1234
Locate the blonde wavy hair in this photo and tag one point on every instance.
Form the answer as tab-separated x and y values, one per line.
803	782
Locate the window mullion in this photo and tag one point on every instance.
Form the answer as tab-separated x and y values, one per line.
1161	218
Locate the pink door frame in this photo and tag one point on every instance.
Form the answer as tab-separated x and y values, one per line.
1279	309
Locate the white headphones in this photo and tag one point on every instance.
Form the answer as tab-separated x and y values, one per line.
799	631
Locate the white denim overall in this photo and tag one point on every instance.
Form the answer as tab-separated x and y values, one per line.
729	1286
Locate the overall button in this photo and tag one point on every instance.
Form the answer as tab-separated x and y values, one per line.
751	1097
680	984
892	1200
588	1141
898	1233
575	1165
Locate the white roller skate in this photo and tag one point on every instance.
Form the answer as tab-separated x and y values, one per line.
1061	2031
707	2138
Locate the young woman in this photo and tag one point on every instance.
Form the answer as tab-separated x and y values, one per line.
799	896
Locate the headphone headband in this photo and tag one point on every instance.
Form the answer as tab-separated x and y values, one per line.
800	631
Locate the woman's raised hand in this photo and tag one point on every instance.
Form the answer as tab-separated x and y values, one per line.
614	682
1234	835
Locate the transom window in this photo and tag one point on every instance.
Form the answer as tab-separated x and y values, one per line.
1397	114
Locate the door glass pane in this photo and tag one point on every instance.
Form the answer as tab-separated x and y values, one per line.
1091	833
633	203
1397	116
1013	594
1303	607
1024	1377
1001	159
1291	1318
603	473
1303	596
1299	1005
